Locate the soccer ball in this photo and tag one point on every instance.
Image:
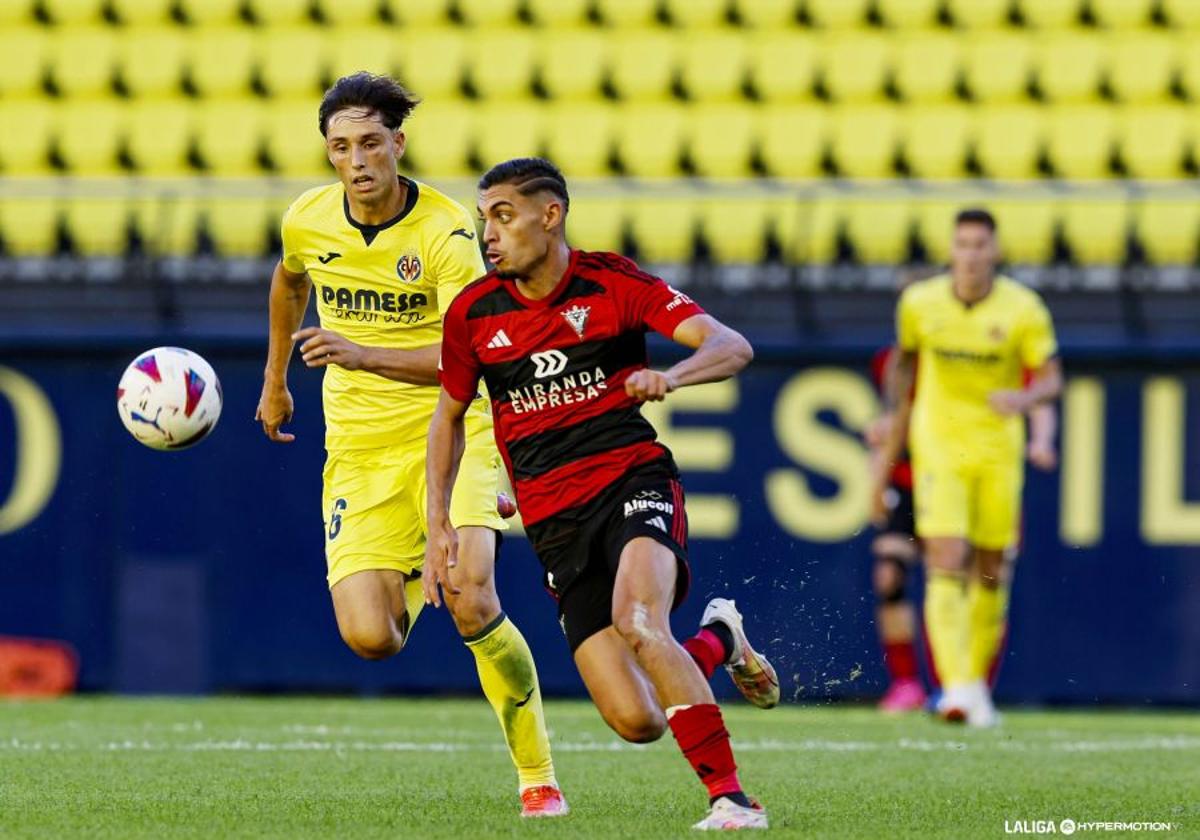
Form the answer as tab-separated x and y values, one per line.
169	398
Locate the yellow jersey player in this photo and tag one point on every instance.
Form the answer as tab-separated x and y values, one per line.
386	255
976	334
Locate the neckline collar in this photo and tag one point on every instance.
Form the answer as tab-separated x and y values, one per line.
369	232
548	300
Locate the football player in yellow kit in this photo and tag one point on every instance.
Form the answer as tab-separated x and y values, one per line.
975	334
386	255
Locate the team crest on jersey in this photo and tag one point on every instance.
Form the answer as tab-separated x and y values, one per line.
408	267
996	333
577	317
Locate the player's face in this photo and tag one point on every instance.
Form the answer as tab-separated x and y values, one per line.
518	230
364	152
974	254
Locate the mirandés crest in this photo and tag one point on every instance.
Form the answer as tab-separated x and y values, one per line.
577	317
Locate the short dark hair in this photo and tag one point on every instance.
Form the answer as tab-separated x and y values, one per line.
382	95
530	175
976	216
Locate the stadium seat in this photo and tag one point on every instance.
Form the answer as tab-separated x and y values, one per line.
82	60
810	234
1142	67
418	12
339	13
88	135
713	65
228	136
1079	141
793	139
294	144
211	12
499	13
509	130
158	134
909	14
649	140
579	138
220	59
1122	14
71	13
23	53
979	14
1096	229
835	14
631	13
863	140
935	140
500	62
1168	229
166	223
29	226
1184	14
290	60
767	14
272	13
1050	14
1009	140
642	64
664	228
783	65
355	48
431	62
238	226
878	229
855	67
150	60
1025	226
439	137
736	227
927	67
997	66
571	63
98	227
26	128
142	12
596	222
16	13
1069	66
720	140
1153	141
697	13
558	13
1189	68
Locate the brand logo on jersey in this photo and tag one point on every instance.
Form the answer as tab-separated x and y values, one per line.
577	317
463	233
566	390
548	363
500	339
328	258
409	268
679	300
368	305
640	505
657	522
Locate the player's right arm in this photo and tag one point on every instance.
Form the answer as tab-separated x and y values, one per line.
289	298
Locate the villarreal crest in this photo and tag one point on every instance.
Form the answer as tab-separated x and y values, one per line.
408	267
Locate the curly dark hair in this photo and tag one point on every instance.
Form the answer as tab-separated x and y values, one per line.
382	95
530	175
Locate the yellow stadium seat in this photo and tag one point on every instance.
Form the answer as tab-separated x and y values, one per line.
355	48
439	136
863	139
855	67
1051	14
1153	141
811	234
291	60
228	136
837	14
1026	228
783	65
793	139
720	140
979	14
418	12
664	227
82	60
166	223
26	129
631	13
220	60
1069	66
767	14
294	142
1079	141
579	138
488	12
238	226
879	229
571	63
500	62
936	140
642	64
1169	229
16	13
151	59
29	226
358	13
1189	67
649	140
279	12
997	66
88	135
713	65
934	218
431	62
509	130
697	13
158	134
23	52
1182	13
142	12
1142	67
736	227
1096	229
1122	14
596	222
909	14
98	227
1009	140
211	12
927	66
74	12
558	13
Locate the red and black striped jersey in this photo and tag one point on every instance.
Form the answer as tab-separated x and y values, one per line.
555	369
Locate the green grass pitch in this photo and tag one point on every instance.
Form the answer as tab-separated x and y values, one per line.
101	767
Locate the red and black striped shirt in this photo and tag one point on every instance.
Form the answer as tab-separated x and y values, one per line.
555	369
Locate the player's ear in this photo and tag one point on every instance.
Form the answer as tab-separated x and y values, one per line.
401	141
553	215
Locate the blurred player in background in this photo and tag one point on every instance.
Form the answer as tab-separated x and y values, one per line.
975	334
559	337
387	255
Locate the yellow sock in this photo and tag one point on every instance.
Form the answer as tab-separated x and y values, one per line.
946	624
510	683
987	607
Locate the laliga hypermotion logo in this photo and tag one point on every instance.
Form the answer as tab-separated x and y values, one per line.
408	267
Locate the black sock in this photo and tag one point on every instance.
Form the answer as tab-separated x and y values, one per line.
738	798
718	629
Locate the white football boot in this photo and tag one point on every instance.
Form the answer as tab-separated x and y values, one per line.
727	815
981	712
955	703
750	671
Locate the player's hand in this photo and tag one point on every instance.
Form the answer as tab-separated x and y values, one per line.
441	555
1042	455
322	347
878	430
1008	402
649	385
275	408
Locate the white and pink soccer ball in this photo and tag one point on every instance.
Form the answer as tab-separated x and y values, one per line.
169	398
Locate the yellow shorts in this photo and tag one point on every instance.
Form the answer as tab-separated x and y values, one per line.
374	503
978	502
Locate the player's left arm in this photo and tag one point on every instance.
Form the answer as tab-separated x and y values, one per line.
322	347
1043	427
720	353
1038	352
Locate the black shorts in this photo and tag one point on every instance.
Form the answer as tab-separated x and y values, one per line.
580	551
900	518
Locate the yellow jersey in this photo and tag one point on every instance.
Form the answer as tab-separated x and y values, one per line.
964	354
383	285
